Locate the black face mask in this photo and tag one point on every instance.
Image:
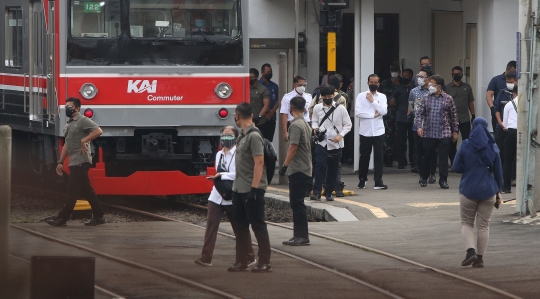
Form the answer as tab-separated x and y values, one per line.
373	87
69	112
268	76
405	80
251	81
457	78
328	101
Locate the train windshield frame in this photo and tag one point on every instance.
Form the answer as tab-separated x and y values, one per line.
166	33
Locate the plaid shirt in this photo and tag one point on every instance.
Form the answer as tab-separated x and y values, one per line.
415	96
437	116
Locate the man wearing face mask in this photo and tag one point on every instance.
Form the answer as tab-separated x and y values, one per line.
463	97
300	85
370	108
259	97
403	125
425	64
269	127
497	84
387	87
505	96
437	124
79	132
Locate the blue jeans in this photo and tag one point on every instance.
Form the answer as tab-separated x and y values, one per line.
326	167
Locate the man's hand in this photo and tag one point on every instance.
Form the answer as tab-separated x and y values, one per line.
270	114
252	195
83	147
420	132
59	169
472	117
369	96
337	139
454	136
286	137
256	119
283	170
377	114
501	125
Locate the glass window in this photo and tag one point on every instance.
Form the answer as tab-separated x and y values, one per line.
99	19
14	37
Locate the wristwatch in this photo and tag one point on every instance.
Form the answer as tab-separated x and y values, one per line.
60	163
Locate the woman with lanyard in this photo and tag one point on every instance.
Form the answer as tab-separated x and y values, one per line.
221	201
479	162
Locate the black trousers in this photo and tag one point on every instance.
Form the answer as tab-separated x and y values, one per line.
510	147
431	146
268	129
500	135
366	144
465	130
326	168
404	133
246	213
298	182
79	187
419	155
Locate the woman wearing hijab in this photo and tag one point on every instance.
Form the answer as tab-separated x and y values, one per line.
220	201
479	162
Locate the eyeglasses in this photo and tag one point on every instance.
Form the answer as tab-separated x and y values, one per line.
421	77
425	64
252	78
70	107
457	74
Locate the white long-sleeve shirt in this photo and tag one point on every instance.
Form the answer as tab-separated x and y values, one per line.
339	119
228	162
365	110
286	104
510	115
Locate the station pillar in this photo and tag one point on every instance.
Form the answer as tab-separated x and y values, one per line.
5	200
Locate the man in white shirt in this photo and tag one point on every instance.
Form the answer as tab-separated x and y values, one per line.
299	91
510	141
370	108
328	149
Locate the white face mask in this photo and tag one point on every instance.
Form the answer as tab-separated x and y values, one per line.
394	74
432	89
300	89
510	86
420	81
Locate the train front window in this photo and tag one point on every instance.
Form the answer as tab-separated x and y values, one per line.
95	19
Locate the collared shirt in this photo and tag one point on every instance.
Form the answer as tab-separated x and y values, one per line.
371	125
248	146
341	101
257	94
497	84
437	116
286	104
510	115
401	93
462	95
75	130
338	123
274	94
300	134
227	162
500	102
415	97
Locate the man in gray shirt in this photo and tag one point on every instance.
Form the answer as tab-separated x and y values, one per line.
298	168
248	193
78	132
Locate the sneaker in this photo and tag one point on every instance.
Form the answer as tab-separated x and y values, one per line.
432	179
316	197
56	222
297	241
470	257
362	184
329	198
261	268
513	184
380	186
201	262
96	221
252	263
340	194
506	190
423	183
444	185
238	267
479	263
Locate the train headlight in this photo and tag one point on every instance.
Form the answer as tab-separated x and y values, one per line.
88	112
88	91
223	90
223	113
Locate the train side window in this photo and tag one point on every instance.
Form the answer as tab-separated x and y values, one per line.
100	19
14	37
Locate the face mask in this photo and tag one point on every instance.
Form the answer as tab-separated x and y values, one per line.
510	86
394	74
227	141
420	81
405	80
268	76
373	87
69	112
433	89
427	67
300	89
251	81
328	101
457	78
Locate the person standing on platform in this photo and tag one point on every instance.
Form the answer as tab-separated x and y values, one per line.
226	171
298	168
248	193
300	85
259	98
497	84
79	132
510	118
403	125
463	97
504	97
370	108
268	129
437	124
390	137
480	164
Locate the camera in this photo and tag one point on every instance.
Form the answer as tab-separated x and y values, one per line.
319	136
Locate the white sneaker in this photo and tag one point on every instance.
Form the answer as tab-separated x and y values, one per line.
252	263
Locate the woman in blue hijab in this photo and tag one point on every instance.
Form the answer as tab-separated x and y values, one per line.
480	164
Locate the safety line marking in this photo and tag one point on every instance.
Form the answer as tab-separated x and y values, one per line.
437	204
377	212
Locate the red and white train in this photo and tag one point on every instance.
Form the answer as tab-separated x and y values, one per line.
160	77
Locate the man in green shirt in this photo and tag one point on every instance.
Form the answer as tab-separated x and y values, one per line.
248	193
298	168
259	98
78	132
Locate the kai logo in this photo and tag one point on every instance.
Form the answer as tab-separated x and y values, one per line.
140	86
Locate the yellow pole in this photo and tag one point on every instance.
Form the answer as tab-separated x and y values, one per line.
331	52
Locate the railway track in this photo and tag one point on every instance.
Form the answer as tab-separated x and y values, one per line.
337	272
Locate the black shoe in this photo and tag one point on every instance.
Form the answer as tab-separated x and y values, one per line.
470	257
329	198
414	169
56	222
238	267
444	185
202	262
479	263
380	186
261	268
362	184
316	197
506	190
340	194
423	183
297	241
432	179
96	221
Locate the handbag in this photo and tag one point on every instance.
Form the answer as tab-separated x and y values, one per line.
224	187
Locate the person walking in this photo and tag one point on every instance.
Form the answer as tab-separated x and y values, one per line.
403	122
298	168
479	162
79	132
217	204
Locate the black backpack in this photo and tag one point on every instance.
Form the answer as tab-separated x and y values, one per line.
270	155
